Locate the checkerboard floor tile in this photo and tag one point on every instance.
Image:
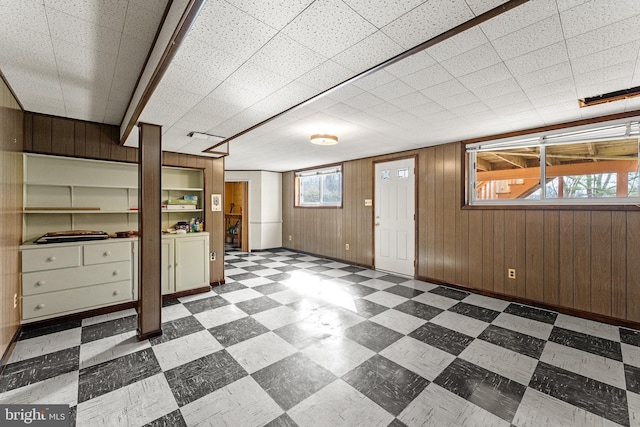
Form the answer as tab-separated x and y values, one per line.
297	340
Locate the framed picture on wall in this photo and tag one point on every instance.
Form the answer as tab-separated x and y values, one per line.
216	202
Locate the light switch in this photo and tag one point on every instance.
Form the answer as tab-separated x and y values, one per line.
368	202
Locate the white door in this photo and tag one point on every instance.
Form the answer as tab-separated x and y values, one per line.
395	216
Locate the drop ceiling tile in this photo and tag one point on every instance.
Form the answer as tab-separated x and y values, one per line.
340	110
363	101
127	68
286	57
200	57
165	113
284	98
518	18
368	53
210	107
345	92
428	77
113	116
24	14
151	5
426	110
142	23
30	49
549	74
83	33
392	90
341	27
473	60
569	4
27	82
458	100
382	110
476	115
474	108
615	55
545	89
79	56
602	109
481	6
562	98
276	13
374	80
486	76
188	80
520	108
506	99
445	90
107	13
165	94
173	139
410	101
538	59
439	116
320	103
609	85
257	79
404	119
500	88
82	78
596	14
458	44
416	62
622	70
228	28
529	39
326	75
235	95
604	38
381	12
427	21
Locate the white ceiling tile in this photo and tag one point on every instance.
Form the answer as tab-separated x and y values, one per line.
326	75
500	88
416	62
369	52
476	59
506	99
481	6
165	94
363	101
257	79
569	4
524	107
276	13
426	110
486	76
409	101
550	88
602	109
79	76
320	103
618	54
328	27
340	110
597	13
438	116
107	13
345	92
445	90
404	119
518	18
113	116
392	90
226	27
529	39
212	109
173	139
188	80
604	38
607	86
29	49
24	14
142	23
235	95
566	99
83	33
458	44
622	70
546	75
382	110
538	59
381	12
286	57
427	21
426	78
81	56
284	98
469	109
458	100
374	80
151	5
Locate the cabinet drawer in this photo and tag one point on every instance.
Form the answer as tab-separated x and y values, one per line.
52	303
50	258
100	254
39	282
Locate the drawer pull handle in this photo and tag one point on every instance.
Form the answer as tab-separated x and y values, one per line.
40	283
40	306
51	259
116	272
107	253
116	293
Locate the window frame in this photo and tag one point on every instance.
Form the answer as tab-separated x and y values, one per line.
318	171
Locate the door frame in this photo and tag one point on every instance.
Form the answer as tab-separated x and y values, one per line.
415	207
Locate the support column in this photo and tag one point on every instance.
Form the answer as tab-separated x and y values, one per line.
149	229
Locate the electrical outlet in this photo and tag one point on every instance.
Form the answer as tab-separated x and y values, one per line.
511	273
289	238
212	256
346	246
15	300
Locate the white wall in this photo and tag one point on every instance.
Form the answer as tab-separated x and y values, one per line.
265	207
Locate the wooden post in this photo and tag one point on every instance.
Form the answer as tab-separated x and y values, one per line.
149	227
622	187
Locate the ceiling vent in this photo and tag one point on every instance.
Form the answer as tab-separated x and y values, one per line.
610	97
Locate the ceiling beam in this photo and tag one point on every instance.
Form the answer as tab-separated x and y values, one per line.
620	166
482	164
516	161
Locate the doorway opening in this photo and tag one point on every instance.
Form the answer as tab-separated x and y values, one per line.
236	216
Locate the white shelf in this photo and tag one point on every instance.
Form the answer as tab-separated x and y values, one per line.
180	210
181	189
48	184
74	211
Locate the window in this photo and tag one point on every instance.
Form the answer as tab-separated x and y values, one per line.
593	166
319	187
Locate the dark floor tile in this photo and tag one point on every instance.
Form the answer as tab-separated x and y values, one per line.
588	343
318	268
450	293
25	372
367	309
252	268
170	302
237	331
514	341
109	328
397	423
270	288
403	291
73	414
301	334
372	335
495	393
322	261
598	398
480	313
443	338
632	375
292	379
629	336
229	287
292	261
359	290
172	419
32	332
352	269
279	277
204	304
257	305
177	328
243	276
262	261
105	377
388	384
532	313
354	278
287	268
418	309
393	279
283	420
200	377
234	260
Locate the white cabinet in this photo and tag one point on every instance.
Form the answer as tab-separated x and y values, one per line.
167	276
185	262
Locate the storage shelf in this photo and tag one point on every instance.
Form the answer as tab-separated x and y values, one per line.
48	184
181	189
180	210
74	211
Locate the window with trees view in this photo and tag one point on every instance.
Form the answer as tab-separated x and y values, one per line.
319	187
594	166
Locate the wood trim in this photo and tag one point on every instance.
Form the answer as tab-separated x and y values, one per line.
7	353
511	4
186	293
244	238
148	335
551	307
79	316
219	283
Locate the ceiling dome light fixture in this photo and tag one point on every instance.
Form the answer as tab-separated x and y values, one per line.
324	139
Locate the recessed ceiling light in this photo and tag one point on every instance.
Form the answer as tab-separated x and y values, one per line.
324	139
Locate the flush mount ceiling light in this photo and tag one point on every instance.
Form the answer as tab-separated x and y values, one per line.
324	139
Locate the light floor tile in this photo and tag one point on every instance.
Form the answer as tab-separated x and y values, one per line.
173	312
590	365
633	400
275	264
45	344
500	360
287	297
185	349
378	284
109	316
196	297
419	285
339	404
541	410
336	265
134	405
338	354
418	357
251	283
110	348
589	327
436	300
523	325
336	273
241	295
398	321
244	264
232	272
261	351
62	390
219	316
372	274
385	298
436	406
277	317
458	322
486	302
241	403
630	354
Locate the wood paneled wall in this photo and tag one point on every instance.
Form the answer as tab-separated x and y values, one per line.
575	259
11	141
76	138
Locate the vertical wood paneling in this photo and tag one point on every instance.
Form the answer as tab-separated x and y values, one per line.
80	140
41	134
105	142
439	213
521	256
422	203
92	145
619	264
430	220
601	262
28	131
475	249
510	249
566	278
633	266
449	212
499	270
582	259
62	136
551	257
487	250
534	250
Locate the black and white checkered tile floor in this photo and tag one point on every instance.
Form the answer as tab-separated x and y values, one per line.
293	339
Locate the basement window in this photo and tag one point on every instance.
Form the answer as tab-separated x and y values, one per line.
319	187
580	167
